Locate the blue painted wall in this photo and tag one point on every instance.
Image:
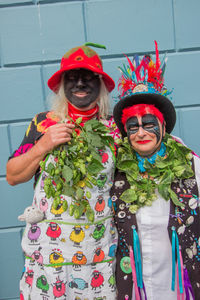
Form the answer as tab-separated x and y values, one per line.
33	37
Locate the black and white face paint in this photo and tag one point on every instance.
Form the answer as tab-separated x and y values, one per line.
81	87
149	123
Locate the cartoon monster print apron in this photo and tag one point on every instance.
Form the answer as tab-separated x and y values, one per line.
68	258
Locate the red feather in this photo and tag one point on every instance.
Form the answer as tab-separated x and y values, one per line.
130	63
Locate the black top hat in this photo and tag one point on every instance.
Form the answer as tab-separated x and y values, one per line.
142	82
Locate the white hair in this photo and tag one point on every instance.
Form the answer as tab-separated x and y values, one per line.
58	102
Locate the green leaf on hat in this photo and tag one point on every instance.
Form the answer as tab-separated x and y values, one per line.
95	45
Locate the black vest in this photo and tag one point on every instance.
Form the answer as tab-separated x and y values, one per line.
186	223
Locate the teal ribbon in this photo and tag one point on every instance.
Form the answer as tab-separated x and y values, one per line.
151	159
175	253
137	257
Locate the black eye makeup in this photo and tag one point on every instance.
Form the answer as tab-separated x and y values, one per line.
132	125
149	124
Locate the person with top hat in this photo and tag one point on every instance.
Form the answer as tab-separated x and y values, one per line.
155	193
70	248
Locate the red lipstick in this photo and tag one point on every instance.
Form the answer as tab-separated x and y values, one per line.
143	142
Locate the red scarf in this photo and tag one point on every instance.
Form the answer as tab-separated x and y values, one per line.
75	113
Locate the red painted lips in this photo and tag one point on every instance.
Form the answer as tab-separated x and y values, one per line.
143	142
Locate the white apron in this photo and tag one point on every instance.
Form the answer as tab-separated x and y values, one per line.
68	258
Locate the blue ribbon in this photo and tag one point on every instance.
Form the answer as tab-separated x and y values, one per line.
151	159
175	252
137	257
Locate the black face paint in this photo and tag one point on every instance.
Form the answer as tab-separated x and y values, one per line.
149	124
132	126
81	81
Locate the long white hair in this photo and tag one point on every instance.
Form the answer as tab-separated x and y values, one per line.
58	102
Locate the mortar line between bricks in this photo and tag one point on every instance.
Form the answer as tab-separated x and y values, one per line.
174	24
43	88
84	20
9	138
105	57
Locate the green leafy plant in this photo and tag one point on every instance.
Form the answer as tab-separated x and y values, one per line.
175	165
76	167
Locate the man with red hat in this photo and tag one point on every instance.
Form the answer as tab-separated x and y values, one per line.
72	171
81	90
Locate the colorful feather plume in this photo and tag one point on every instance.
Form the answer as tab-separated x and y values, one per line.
145	72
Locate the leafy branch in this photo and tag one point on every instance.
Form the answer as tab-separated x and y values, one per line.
175	165
76	166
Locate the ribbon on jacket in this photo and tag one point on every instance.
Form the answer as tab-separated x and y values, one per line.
176	253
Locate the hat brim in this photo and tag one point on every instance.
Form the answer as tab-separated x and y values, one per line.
162	103
55	79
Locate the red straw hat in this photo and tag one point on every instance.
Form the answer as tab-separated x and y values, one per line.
80	57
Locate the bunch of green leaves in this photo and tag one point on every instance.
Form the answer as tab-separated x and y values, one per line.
175	165
76	166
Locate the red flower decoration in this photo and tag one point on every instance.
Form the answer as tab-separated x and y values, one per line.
78	58
49	121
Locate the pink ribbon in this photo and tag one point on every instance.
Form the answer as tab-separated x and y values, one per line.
137	295
180	296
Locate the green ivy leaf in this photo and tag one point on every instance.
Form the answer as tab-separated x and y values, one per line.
120	156
94	140
72	148
174	198
163	190
95	125
126	165
79	193
167	178
128	196
68	190
67	173
96	155
77	177
178	171
107	140
94	167
50	167
188	172
162	163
